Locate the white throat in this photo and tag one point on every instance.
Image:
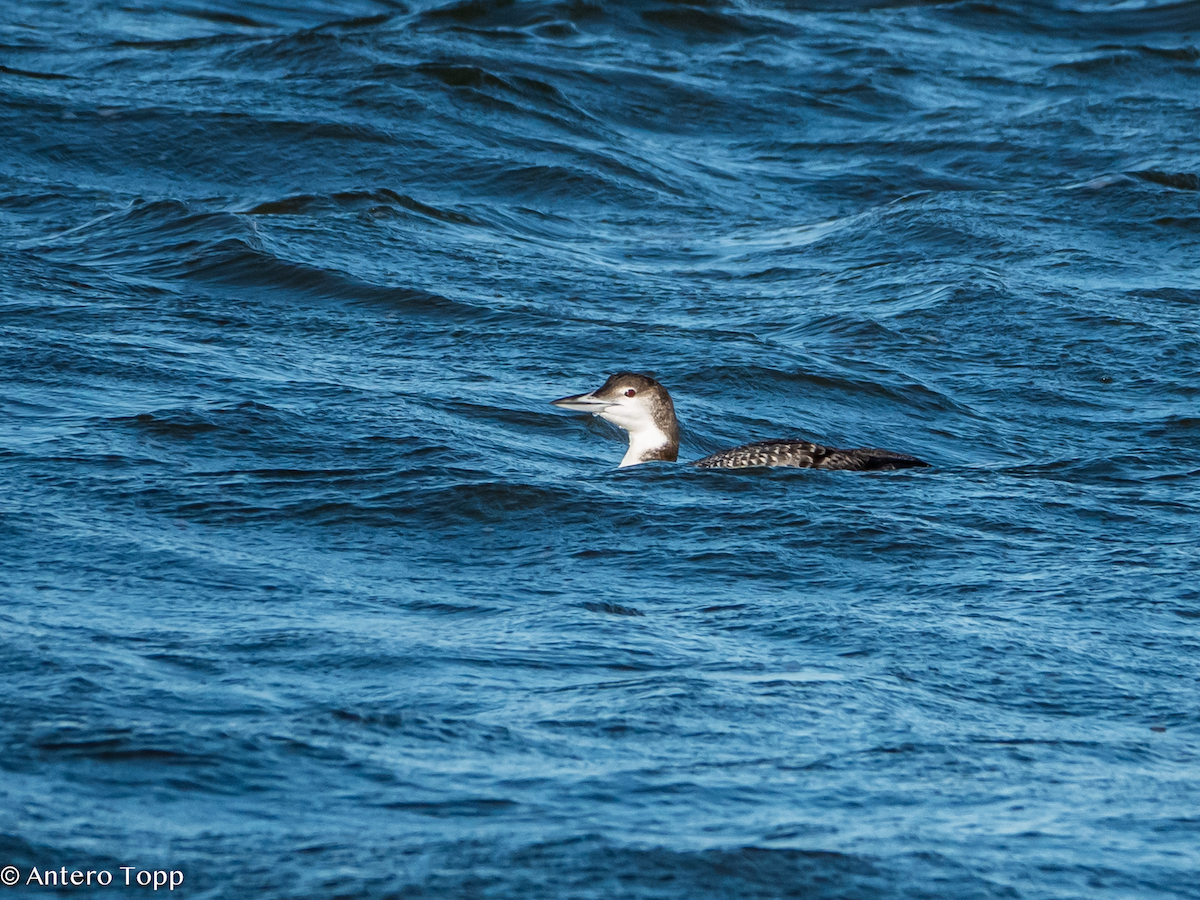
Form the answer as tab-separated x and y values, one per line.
644	444
646	439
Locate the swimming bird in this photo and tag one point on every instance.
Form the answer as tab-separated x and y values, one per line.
643	408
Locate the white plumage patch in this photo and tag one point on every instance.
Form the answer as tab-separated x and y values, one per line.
633	414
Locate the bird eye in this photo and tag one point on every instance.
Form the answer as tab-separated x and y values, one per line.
630	393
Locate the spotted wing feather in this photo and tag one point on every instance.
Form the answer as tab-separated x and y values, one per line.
806	455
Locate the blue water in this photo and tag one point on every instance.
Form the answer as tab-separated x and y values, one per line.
308	592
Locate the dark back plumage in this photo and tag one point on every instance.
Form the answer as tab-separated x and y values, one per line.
806	455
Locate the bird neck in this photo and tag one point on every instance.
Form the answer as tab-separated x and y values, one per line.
657	441
640	453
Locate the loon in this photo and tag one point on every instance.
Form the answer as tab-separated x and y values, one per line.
643	408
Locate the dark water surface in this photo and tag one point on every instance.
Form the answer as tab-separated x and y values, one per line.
307	592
